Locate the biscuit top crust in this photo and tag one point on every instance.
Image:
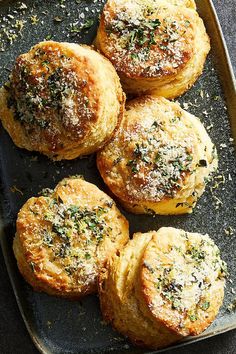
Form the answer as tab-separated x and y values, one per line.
182	277
68	232
147	38
153	153
50	91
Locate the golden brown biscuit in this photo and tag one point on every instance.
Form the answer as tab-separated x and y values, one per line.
163	286
157	47
63	100
160	158
119	303
63	240
182	280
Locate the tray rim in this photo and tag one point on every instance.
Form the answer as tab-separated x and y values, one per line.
9	262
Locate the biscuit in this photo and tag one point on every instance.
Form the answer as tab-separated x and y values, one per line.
163	286
157	47
62	240
182	280
63	100
159	160
119	304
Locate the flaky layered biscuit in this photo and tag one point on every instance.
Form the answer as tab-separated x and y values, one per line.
63	240
63	100
163	286
120	305
159	160
182	280
156	47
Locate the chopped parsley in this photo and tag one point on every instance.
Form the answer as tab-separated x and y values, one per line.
193	318
205	305
73	231
196	254
139	35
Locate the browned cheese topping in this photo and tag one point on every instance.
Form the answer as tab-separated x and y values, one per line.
156	166
146	39
71	235
183	276
46	93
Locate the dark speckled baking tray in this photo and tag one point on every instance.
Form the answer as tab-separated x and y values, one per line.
60	326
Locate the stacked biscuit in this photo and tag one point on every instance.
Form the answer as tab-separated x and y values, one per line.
163	286
155	288
67	100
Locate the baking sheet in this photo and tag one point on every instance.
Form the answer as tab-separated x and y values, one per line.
58	325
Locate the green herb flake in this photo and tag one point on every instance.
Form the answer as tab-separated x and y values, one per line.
133	165
205	305
48	239
196	254
87	255
187	23
45	63
193	318
189	158
134	56
73	209
89	23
